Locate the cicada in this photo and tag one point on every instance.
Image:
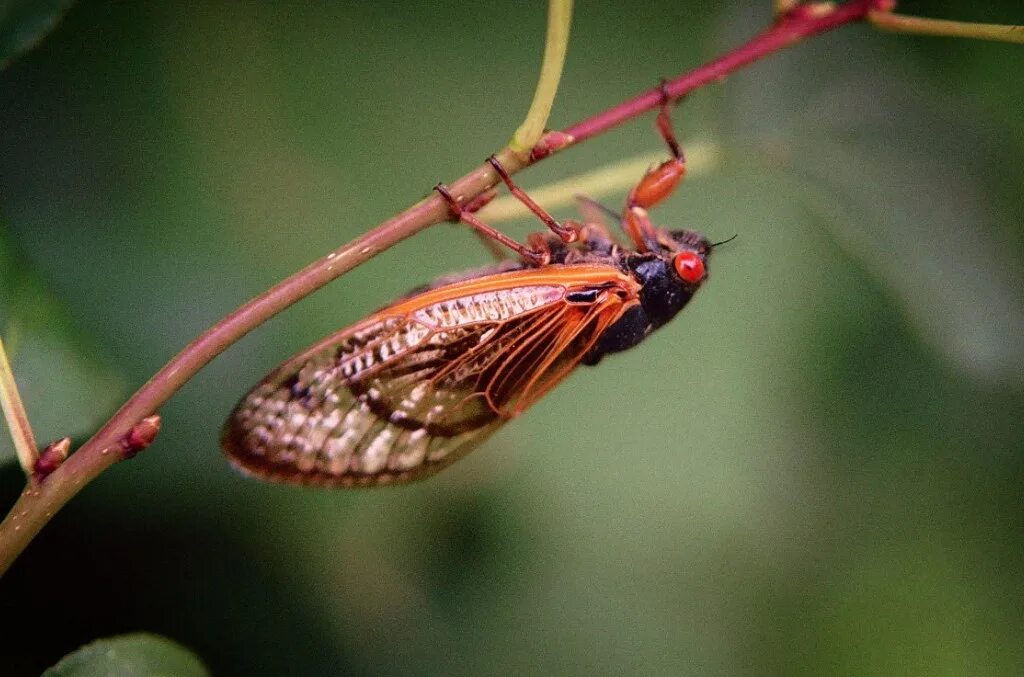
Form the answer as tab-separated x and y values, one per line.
418	384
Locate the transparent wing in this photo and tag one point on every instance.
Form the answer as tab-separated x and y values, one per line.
413	388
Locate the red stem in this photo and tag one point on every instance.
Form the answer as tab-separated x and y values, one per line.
37	504
803	21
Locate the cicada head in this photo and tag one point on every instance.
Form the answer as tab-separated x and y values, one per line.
671	275
689	251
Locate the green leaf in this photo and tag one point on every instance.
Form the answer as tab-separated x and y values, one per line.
912	182
134	655
65	389
24	23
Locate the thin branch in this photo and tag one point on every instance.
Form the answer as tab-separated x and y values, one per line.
17	418
800	23
901	23
37	504
556	45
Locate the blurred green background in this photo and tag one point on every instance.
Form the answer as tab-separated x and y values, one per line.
816	469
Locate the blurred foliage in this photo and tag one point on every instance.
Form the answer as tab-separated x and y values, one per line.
817	468
65	387
23	23
925	207
137	655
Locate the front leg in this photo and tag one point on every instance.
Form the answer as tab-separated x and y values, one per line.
656	185
532	253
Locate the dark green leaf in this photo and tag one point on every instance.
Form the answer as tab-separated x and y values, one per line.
23	23
135	655
66	391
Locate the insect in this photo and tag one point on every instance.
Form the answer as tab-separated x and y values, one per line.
418	384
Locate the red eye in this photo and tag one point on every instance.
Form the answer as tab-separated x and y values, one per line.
690	267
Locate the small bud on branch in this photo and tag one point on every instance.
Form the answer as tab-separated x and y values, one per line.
781	7
140	436
51	458
551	142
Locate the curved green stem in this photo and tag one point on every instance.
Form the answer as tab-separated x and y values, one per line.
17	420
556	45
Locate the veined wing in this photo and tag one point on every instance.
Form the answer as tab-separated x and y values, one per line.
414	387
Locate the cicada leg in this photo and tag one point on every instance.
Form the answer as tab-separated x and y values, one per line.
536	250
656	185
498	252
565	232
535	255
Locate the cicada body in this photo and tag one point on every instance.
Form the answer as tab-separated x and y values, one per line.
415	386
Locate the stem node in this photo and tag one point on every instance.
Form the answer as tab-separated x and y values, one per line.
51	458
140	436
551	142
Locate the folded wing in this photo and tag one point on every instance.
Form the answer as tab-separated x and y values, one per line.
414	387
